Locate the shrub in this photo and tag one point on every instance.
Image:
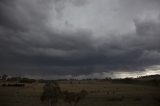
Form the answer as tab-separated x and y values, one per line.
51	93
73	97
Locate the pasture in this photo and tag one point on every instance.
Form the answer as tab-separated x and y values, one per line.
100	93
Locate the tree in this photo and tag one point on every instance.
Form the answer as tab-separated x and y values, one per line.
51	93
4	77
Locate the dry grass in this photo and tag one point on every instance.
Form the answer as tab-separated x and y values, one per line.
100	94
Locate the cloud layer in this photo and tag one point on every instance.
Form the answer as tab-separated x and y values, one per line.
73	37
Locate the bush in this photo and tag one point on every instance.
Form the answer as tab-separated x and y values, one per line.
51	93
73	97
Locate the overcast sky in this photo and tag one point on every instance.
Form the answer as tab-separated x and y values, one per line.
79	38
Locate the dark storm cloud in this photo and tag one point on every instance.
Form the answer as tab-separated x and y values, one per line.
27	45
20	14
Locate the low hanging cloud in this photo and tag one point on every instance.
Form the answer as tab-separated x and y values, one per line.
40	37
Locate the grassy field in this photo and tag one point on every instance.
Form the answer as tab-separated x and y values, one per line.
99	94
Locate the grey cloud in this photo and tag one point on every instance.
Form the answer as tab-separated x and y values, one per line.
28	46
24	15
80	2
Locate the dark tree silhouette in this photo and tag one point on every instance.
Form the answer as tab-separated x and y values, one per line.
4	77
73	97
81	95
51	93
